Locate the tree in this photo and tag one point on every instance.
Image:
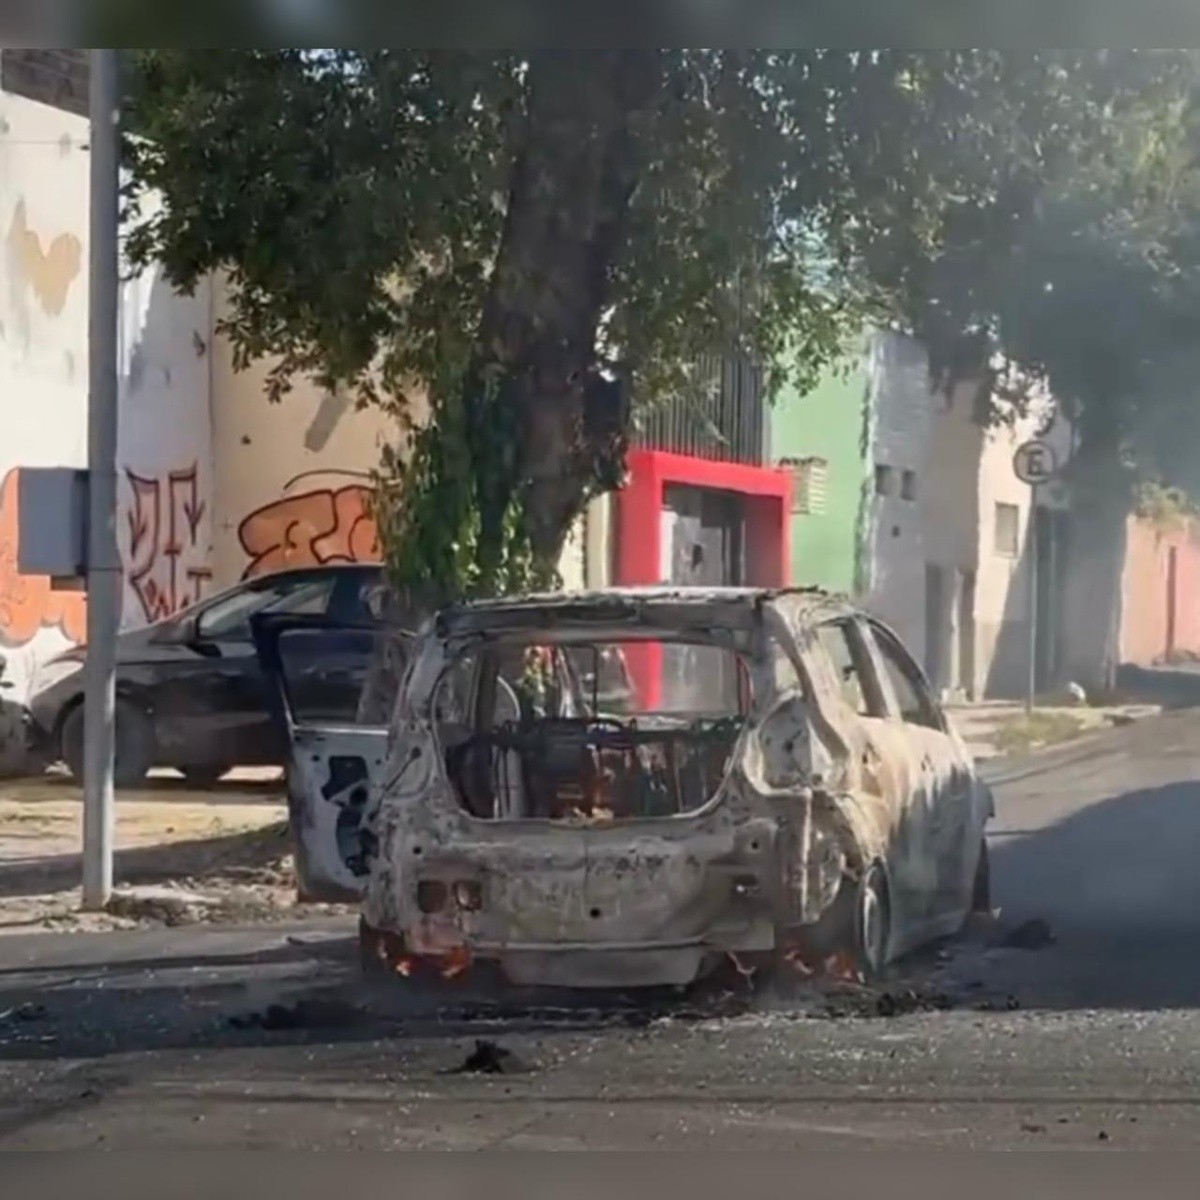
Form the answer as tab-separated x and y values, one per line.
533	238
1094	294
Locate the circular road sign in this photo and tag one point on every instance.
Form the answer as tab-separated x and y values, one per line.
1035	462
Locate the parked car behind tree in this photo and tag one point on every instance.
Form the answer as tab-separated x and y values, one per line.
190	694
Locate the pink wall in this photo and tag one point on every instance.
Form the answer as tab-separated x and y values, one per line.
1158	620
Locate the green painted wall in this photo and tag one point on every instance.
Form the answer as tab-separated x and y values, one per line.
826	423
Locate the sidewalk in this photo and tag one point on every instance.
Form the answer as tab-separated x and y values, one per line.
992	729
181	855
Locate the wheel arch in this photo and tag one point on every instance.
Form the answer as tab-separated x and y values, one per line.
124	692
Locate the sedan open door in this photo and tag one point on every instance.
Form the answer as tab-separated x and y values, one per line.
316	669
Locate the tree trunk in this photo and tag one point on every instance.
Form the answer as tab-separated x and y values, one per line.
572	182
1101	503
543	427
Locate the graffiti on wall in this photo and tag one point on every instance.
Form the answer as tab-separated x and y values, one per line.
167	569
28	604
331	524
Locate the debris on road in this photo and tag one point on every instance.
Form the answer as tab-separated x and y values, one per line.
24	1013
1010	1004
1032	935
896	1004
488	1058
161	905
303	1014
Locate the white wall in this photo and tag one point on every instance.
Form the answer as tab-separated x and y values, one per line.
43	360
292	480
961	473
1002	592
164	450
902	415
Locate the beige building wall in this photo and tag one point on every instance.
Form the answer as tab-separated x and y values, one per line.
1002	608
940	571
292	480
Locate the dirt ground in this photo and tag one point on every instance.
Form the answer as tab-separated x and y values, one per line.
183	856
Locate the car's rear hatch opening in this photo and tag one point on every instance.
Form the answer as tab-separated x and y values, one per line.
590	732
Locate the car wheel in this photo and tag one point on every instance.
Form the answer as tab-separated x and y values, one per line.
203	777
981	892
134	751
872	924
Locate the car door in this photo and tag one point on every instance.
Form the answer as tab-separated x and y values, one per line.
334	765
945	799
211	704
880	755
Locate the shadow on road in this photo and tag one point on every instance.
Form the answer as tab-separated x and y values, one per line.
298	993
146	865
1172	687
1119	882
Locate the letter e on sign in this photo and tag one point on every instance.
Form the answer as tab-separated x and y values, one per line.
1035	462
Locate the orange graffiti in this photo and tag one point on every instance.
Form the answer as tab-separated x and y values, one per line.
48	272
27	602
314	528
164	530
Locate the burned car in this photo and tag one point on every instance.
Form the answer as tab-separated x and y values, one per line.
778	782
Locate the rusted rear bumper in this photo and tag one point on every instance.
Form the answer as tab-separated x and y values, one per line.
568	965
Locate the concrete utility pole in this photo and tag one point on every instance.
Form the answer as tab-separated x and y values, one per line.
104	560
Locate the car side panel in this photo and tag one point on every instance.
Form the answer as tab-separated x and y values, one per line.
945	799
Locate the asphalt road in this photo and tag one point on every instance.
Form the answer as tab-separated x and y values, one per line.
137	1041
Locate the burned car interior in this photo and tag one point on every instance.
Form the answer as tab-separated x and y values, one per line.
560	733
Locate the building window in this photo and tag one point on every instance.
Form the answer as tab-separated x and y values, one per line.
810	485
885	478
908	485
1008	530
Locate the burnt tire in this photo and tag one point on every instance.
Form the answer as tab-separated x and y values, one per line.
981	890
134	751
872	924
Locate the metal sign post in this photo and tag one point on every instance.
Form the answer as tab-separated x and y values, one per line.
103	558
1034	463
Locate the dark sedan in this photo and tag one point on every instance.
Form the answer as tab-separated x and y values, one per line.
190	694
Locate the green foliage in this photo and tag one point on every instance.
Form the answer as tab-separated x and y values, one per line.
1092	288
1165	507
474	240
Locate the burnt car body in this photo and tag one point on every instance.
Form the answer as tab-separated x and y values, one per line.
190	693
809	798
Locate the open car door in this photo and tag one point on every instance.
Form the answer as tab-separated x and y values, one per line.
316	669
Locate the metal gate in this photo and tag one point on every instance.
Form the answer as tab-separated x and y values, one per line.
705	548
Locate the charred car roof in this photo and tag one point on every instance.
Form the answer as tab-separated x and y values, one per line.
656	607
